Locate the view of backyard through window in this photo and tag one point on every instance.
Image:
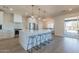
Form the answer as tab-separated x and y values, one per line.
72	25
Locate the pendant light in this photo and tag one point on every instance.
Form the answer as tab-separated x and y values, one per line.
44	15
32	11
39	14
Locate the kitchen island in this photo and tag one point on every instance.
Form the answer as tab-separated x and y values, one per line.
29	39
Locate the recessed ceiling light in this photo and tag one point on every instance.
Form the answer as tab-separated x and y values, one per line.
70	9
44	19
26	13
39	18
11	9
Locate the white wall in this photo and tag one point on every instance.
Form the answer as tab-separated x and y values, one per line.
59	26
59	23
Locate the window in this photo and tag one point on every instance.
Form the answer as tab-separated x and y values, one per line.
72	25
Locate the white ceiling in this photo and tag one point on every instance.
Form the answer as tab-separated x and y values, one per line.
51	10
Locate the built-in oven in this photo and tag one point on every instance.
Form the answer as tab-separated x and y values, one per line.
0	27
17	32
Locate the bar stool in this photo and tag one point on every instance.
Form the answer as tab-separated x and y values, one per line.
30	44
43	38
37	44
40	38
47	37
50	36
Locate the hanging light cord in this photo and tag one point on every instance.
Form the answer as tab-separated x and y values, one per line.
32	9
44	13
39	12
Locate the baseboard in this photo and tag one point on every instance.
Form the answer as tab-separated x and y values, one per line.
6	38
59	36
